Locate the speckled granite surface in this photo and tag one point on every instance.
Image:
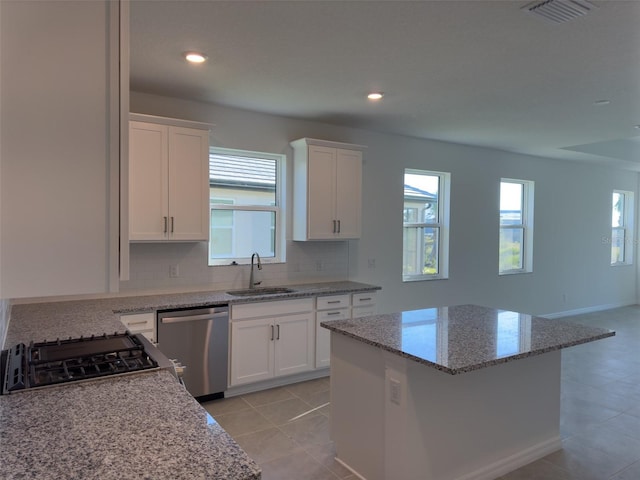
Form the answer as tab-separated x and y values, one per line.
143	426
50	320
463	338
139	426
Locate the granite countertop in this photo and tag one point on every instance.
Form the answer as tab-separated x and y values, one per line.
143	425
463	338
50	320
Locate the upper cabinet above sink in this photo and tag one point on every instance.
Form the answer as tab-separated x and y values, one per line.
327	188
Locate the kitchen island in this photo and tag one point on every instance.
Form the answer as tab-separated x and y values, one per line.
461	392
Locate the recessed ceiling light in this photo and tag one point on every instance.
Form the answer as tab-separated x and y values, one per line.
375	95
602	102
195	57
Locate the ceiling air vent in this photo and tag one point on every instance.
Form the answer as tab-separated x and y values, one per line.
560	11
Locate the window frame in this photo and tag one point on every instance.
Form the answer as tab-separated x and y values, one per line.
278	209
442	226
526	225
627	227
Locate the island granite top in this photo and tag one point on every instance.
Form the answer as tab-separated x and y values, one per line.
463	338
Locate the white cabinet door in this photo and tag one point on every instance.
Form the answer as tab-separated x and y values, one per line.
148	181
348	193
168	183
294	338
252	351
327	190
321	207
323	336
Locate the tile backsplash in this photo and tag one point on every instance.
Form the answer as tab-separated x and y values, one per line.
151	263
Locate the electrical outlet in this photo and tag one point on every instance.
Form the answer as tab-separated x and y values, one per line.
174	271
394	391
318	265
372	263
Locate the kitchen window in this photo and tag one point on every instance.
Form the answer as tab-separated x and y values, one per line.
245	206
425	238
621	228
516	226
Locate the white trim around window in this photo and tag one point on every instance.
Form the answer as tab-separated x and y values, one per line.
622	228
425	251
516	226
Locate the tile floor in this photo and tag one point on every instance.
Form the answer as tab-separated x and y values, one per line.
286	429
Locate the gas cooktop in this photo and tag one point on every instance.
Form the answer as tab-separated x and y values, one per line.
51	363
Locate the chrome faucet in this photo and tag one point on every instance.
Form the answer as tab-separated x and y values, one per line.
252	282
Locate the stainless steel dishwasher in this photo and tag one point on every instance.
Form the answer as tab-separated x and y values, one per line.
199	339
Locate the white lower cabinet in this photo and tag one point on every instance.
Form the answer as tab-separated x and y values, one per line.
333	307
271	339
144	323
339	307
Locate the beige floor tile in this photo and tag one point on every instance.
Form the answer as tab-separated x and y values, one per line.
306	389
630	473
266	445
308	431
298	466
326	454
585	463
245	421
267	396
226	405
286	411
318	399
539	470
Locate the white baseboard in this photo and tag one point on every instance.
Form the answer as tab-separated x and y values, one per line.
580	311
501	467
515	461
276	382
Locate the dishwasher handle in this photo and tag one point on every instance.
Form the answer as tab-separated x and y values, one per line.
192	318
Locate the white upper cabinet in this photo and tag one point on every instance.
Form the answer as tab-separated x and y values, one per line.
168	183
327	190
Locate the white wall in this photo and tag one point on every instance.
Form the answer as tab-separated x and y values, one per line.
55	147
572	216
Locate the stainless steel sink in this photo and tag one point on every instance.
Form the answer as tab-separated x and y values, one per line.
249	292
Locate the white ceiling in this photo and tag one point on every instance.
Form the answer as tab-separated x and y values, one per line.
474	72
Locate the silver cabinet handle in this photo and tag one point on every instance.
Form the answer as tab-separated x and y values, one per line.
165	224
278	337
172	224
333	313
191	318
338	226
333	301
142	322
334	226
272	333
365	299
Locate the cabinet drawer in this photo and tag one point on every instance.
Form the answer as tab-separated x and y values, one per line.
270	309
333	302
144	323
340	314
363	299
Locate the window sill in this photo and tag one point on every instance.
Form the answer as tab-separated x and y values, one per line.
514	272
423	278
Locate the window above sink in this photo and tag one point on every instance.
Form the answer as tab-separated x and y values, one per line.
245	201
